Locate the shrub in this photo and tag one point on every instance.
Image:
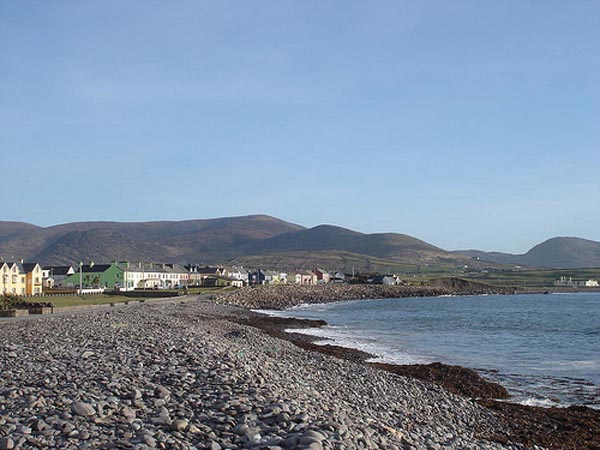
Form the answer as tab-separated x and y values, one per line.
8	300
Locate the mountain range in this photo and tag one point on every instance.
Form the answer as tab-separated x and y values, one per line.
260	240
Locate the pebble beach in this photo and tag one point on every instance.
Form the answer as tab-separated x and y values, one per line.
189	375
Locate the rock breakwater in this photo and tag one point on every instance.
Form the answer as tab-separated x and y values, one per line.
286	296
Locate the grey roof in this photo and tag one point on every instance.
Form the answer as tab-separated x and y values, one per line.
380	278
239	270
209	270
29	267
221	277
95	268
58	270
18	264
152	267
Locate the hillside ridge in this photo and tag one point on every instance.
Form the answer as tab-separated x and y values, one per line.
560	252
258	239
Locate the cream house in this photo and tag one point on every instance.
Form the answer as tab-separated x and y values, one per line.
21	278
33	278
13	279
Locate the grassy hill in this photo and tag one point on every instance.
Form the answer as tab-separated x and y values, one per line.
332	246
10	229
250	240
184	241
260	240
556	253
102	245
328	237
334	259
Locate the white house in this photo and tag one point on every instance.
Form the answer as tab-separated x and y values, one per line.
53	276
588	283
153	276
239	273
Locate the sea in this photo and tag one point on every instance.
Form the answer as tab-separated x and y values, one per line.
545	349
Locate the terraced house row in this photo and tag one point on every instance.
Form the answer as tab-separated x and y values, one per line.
20	278
126	276
32	279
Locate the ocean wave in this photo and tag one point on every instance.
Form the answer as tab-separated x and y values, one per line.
267	312
542	402
342	337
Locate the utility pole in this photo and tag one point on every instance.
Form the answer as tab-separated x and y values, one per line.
80	277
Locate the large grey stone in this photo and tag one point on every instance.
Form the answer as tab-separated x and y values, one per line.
83	409
179	425
6	443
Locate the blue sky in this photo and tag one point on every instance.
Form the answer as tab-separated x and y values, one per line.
467	124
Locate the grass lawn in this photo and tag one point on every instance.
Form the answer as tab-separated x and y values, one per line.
77	300
101	299
204	290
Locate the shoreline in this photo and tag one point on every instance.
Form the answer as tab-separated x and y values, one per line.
455	379
572	427
218	376
190	375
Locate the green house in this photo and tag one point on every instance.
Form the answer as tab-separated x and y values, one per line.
96	276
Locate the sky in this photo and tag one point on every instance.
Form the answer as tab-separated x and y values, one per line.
468	124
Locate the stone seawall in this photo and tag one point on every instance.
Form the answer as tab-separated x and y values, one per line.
14	312
286	296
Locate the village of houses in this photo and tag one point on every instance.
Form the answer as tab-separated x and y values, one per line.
32	279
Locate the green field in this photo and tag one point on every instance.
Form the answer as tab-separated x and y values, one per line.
518	279
78	300
207	290
101	299
525	279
